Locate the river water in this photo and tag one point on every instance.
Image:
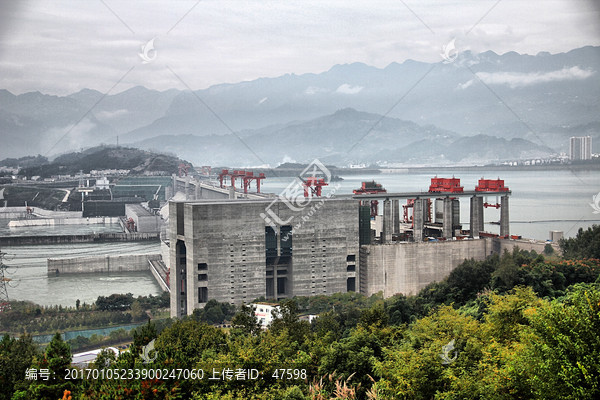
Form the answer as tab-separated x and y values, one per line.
27	269
541	201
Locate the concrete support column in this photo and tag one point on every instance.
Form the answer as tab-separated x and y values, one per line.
447	224
386	234
418	220
504	216
476	216
396	215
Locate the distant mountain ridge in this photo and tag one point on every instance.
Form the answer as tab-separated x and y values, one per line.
346	136
543	99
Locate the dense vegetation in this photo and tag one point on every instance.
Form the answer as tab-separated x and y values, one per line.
516	326
139	161
115	309
27	161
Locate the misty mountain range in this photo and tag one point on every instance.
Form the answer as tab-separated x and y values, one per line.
479	108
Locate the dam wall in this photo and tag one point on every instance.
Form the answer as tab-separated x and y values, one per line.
101	264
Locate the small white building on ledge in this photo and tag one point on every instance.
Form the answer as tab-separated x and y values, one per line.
264	313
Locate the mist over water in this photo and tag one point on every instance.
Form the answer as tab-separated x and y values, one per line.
541	200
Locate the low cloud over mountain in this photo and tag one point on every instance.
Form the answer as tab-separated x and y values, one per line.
485	98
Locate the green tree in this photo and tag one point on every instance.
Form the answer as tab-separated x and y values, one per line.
565	358
105	358
57	359
354	358
245	322
287	319
413	367
58	355
214	312
115	302
137	311
506	275
142	336
586	244
470	278
15	357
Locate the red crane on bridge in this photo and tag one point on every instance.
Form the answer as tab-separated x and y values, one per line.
246	176
491	185
371	187
313	185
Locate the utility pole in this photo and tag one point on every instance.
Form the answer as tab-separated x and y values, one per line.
4	301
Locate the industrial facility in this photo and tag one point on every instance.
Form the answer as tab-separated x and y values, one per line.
236	247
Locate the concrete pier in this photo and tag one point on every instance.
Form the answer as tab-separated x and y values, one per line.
396	215
504	216
447	230
386	234
418	219
476	216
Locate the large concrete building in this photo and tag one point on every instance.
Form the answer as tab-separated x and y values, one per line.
580	148
229	251
238	250
143	219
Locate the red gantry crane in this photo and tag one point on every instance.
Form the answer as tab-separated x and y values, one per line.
371	187
491	185
246	177
451	185
313	186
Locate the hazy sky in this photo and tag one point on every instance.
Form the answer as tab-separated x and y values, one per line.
60	47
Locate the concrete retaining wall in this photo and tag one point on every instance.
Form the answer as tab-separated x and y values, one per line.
60	239
159	271
409	267
63	221
499	245
103	264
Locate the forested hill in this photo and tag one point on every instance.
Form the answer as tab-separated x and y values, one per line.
516	326
97	158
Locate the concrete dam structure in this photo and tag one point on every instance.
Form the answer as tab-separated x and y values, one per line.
232	246
107	264
237	250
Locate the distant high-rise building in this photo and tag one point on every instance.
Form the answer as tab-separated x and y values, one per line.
581	148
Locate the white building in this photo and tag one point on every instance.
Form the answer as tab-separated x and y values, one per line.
264	313
580	148
103	183
84	359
